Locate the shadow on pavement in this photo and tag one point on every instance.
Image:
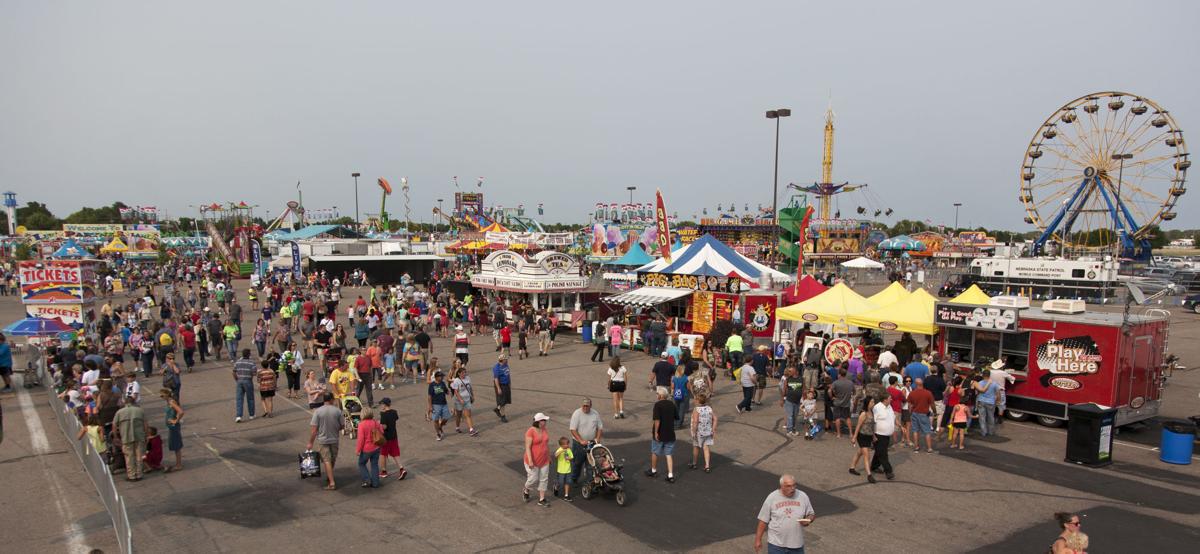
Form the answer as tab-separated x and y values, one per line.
1104	482
1109	529
698	509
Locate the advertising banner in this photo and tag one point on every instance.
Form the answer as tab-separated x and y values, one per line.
93	228
296	274
142	242
57	281
256	255
702	312
664	232
760	315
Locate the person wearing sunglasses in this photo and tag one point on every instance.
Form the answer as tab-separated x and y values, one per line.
1067	540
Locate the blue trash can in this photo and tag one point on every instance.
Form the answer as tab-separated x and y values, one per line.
1177	442
586	335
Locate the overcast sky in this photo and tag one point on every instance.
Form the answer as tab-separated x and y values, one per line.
566	103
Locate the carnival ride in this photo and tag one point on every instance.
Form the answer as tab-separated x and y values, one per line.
1101	173
238	219
470	215
830	235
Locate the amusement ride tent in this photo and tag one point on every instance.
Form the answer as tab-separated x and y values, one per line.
973	295
116	245
709	256
894	292
635	257
913	314
832	306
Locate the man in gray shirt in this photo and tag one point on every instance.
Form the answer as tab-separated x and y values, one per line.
842	392
586	427
326	426
783	516
244	371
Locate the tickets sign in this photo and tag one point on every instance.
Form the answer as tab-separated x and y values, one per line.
70	314
52	281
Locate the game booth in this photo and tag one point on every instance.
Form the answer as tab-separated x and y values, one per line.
547	280
701	283
1062	354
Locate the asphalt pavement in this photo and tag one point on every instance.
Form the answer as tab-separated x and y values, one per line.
240	489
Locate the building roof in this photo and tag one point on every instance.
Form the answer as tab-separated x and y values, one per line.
313	231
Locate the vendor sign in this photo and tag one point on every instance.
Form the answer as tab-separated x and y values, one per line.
760	315
975	317
723	306
702	312
70	314
693	282
52	281
838	350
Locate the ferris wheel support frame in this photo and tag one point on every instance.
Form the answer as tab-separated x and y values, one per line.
1069	211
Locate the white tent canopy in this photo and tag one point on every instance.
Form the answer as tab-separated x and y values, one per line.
862	262
709	256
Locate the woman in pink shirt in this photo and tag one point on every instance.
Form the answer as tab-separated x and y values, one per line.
367	450
614	339
537	458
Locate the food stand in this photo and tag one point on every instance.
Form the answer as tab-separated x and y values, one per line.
1061	354
548	279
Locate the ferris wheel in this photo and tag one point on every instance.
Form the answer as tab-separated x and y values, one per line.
1100	171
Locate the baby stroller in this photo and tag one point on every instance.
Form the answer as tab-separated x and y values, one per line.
352	412
606	474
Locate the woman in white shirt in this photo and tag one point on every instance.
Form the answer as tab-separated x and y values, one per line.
616	385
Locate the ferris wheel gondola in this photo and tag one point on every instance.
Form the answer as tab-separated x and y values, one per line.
1101	172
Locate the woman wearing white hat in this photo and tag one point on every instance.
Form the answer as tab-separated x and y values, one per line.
537	458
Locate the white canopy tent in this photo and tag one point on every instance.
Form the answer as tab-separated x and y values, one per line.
862	262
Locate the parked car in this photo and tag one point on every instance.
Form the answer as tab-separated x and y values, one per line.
1192	303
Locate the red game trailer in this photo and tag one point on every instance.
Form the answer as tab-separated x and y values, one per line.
1062	354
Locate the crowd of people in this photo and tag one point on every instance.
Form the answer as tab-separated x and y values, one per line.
906	398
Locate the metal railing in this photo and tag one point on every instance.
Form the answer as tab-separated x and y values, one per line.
97	470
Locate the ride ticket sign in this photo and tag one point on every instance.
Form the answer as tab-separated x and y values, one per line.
53	281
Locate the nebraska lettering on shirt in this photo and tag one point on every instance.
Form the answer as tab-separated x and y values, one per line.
787	503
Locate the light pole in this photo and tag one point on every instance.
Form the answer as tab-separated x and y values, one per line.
630	189
356	175
776	114
957	205
1117	200
435	223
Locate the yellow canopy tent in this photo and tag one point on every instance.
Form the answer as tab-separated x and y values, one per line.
115	246
911	315
894	292
832	306
973	295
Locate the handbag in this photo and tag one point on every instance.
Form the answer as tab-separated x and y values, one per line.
377	437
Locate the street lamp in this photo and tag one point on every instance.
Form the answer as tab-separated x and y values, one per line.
630	189
776	114
356	176
435	223
957	205
1117	200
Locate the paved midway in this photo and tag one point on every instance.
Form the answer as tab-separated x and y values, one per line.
240	489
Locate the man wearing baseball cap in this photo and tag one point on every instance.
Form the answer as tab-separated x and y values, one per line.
438	412
502	382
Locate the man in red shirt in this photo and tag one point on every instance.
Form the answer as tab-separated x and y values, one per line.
189	345
362	366
920	401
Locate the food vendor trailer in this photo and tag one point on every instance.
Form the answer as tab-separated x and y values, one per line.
1062	354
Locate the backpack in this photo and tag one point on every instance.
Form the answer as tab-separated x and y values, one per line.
165	340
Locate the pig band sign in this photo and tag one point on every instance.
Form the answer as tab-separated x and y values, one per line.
694	282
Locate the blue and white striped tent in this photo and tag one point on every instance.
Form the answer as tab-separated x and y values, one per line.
709	256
